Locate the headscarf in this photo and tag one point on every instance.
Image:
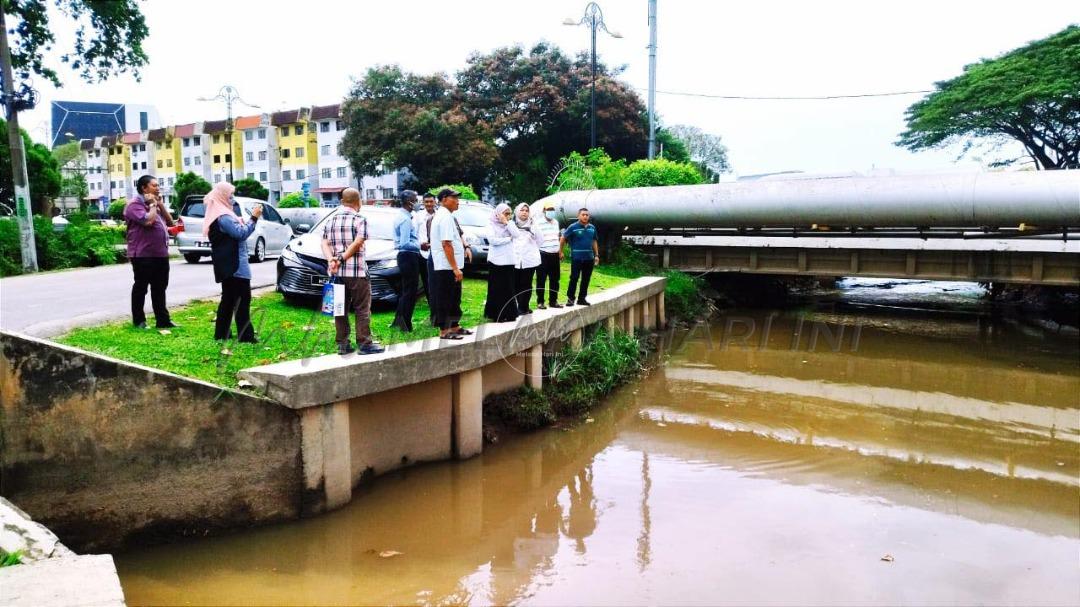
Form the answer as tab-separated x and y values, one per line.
216	203
526	224
498	228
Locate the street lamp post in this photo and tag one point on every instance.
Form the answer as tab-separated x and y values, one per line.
594	20
229	94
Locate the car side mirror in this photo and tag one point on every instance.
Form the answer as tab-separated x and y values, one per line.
286	221
302	228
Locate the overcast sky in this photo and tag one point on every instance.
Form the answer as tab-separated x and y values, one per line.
279	59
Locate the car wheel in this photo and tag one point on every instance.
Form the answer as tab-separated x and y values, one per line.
260	252
192	257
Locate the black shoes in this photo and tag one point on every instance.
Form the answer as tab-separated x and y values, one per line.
344	349
555	304
168	325
371	349
582	302
541	306
570	303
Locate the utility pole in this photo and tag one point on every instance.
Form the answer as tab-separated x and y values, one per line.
594	20
229	94
18	156
652	79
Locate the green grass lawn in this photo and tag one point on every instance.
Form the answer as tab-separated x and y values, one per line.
285	331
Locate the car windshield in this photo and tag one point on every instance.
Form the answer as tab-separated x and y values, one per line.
476	216
380	224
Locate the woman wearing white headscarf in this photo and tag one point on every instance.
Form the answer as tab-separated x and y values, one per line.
527	250
501	306
228	236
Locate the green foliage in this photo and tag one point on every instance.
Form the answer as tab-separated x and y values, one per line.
188	184
116	209
41	167
250	188
467	193
396	119
293	201
68	154
661	172
74	185
671	147
536	104
580	377
523	409
8	559
706	151
80	244
10	249
598	171
108	38
683	294
1030	95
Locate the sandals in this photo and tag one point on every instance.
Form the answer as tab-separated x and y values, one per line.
463	332
453	336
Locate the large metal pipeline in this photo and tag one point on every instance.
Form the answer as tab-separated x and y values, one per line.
1040	199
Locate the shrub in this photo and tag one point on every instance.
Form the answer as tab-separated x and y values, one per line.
10	249
292	201
661	172
523	409
683	295
116	209
467	193
249	188
186	185
579	378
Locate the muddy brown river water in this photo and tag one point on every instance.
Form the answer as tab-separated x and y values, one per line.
857	448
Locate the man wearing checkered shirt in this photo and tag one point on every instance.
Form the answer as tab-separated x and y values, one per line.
343	246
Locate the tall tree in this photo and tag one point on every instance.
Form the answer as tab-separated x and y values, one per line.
108	38
1030	95
251	188
536	103
399	120
705	150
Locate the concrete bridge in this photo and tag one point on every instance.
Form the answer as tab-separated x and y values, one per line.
1018	261
990	227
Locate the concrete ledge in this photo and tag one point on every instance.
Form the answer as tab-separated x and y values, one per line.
74	581
325	379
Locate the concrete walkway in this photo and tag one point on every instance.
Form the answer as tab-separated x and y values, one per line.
52	303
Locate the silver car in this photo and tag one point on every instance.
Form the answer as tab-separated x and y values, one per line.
474	219
271	234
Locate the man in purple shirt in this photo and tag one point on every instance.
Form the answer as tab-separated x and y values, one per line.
148	251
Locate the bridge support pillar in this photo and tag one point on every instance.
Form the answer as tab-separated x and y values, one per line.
327	455
661	312
468	416
576	338
534	364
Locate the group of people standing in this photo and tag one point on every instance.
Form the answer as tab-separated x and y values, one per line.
431	249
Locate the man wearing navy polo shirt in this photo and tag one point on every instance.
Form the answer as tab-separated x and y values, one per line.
584	255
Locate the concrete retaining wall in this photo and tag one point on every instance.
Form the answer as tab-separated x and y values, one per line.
108	453
105	453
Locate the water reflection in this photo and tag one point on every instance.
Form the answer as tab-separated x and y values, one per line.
741	471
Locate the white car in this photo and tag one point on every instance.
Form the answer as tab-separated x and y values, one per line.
271	234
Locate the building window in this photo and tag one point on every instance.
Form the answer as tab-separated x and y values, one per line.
187	142
168	162
197	140
286	175
326	173
284	152
228	157
298	129
134	166
161	164
262	175
171	181
299	152
324	127
388	193
248	135
143	167
327	197
341	171
340	125
325	150
262	133
187	162
198	160
97	153
217	158
112	184
158	144
262	155
249	156
217	178
300	173
217	138
251	175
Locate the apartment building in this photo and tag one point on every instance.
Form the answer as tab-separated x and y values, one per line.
165	159
118	167
226	151
260	152
334	173
95	159
297	149
194	150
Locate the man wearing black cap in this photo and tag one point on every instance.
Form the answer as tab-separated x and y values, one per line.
447	256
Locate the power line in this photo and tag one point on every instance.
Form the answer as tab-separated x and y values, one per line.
793	98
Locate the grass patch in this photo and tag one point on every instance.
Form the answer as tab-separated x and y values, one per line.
286	332
577	380
7	559
683	294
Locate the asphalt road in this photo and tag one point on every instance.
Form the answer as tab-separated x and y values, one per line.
52	303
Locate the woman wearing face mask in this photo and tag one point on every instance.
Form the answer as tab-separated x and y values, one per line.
501	306
548	270
527	250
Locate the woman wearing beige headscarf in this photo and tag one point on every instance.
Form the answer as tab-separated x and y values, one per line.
228	234
527	250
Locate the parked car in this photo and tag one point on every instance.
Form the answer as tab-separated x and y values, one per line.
301	219
301	269
271	234
474	218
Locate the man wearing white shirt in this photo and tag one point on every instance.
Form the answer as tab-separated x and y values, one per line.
549	267
421	224
447	257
